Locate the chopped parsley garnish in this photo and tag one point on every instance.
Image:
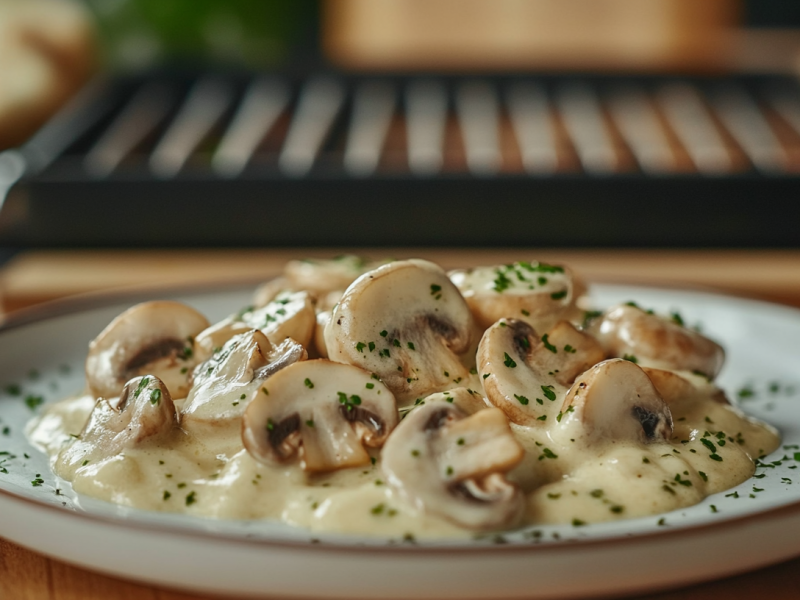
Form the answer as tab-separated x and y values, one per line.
310	423
501	282
569	349
508	361
548	345
350	402
547	453
630	358
559	295
191	498
369	386
676	318
371	346
708	444
410	345
33	402
589	316
384	333
140	387
167	495
435	289
549	392
522	399
308	383
155	396
359	347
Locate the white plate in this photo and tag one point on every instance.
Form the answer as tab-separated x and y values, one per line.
44	357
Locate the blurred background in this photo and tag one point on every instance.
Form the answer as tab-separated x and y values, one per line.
256	124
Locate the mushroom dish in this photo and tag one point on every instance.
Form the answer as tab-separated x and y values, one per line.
399	399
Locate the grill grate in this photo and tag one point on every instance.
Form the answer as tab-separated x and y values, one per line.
533	132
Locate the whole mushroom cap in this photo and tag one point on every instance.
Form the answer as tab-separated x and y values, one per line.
452	465
152	337
660	342
406	322
320	412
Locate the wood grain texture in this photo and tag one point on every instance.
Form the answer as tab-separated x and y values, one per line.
46	275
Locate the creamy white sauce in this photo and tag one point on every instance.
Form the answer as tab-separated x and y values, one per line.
211	475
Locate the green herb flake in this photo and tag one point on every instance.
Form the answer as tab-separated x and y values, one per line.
359	347
548	345
508	361
33	402
377	509
630	358
384	333
578	523
559	295
155	396
522	399
167	495
549	392
547	453
308	383
708	444
191	498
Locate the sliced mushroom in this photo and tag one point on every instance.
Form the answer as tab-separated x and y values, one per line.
615	400
678	391
143	412
224	384
527	376
321	276
406	322
627	330
152	337
452	465
289	315
266	292
323	412
534	292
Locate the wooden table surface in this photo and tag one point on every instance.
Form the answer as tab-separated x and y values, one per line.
42	276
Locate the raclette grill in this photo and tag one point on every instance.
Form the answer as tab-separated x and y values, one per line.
331	159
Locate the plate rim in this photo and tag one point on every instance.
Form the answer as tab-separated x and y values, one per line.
97	300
